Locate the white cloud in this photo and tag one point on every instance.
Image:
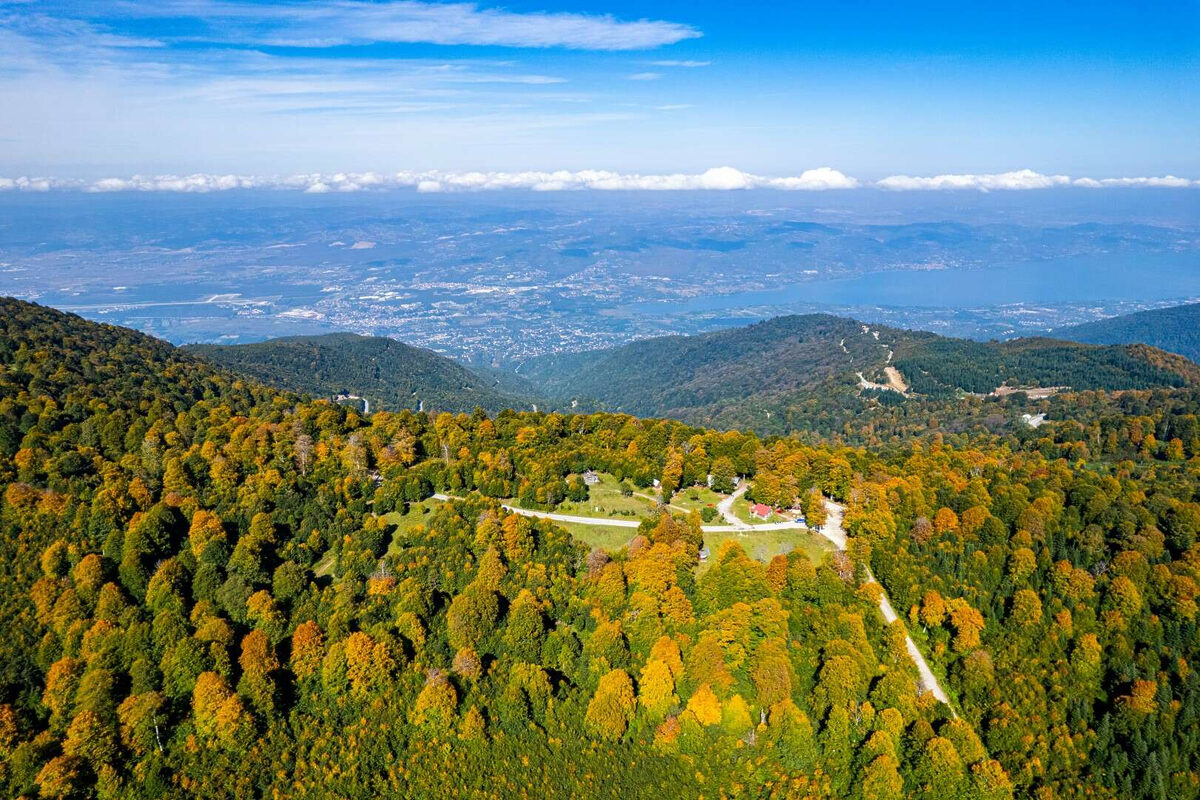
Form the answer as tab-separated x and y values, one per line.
645	76
174	183
25	184
327	23
816	179
1166	181
716	179
684	64
1020	179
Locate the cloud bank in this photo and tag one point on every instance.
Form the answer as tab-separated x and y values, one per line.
1166	181
716	179
1021	179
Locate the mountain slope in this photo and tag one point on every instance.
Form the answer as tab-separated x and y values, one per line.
1175	329
704	376
942	365
205	579
390	374
97	363
813	371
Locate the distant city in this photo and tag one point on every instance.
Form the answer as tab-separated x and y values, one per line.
497	278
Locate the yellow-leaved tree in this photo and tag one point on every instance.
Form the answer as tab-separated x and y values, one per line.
611	708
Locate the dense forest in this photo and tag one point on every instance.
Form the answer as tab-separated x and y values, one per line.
801	374
391	375
208	596
1175	329
949	366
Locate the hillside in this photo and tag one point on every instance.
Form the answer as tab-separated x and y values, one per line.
390	374
1175	329
941	365
814	372
679	375
212	590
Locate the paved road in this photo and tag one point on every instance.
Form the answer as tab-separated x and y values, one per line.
726	507
740	527
833	531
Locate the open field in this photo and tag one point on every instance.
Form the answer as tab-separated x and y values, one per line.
696	498
603	536
608	504
765	545
606	501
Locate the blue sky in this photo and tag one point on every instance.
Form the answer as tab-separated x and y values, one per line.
98	88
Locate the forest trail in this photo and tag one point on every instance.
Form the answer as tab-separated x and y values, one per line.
833	531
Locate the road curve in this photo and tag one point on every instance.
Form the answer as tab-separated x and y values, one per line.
835	533
740	527
725	507
831	530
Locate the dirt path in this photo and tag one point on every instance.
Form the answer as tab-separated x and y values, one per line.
833	531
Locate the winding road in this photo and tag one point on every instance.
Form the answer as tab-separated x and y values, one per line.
833	531
725	507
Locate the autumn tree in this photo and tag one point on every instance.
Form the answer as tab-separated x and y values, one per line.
611	708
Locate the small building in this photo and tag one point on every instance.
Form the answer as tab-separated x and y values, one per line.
590	478
760	511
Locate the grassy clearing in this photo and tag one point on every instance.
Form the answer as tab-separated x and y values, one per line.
605	500
606	537
695	498
325	565
765	545
416	515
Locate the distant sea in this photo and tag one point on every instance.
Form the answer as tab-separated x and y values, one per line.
1075	279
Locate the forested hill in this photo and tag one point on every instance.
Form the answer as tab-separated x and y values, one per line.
1175	329
938	366
710	376
813	372
390	374
216	590
104	364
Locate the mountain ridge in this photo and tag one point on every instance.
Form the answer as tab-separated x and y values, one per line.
1175	329
390	374
766	371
